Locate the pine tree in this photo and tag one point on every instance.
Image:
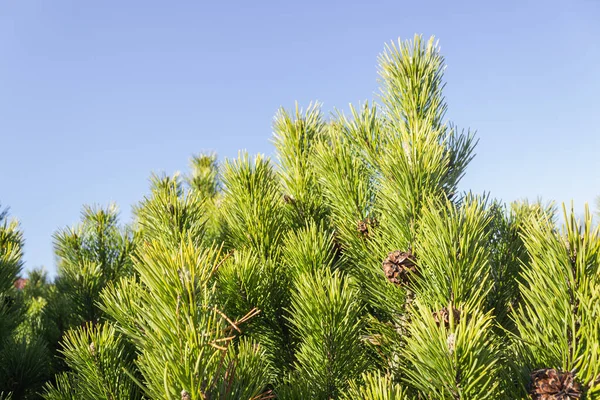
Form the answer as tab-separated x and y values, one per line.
24	355
350	268
11	253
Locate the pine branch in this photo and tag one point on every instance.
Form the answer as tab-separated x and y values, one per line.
294	138
325	314
253	205
453	356
204	177
375	386
453	255
172	213
557	320
100	357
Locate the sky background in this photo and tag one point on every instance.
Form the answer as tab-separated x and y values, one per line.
94	96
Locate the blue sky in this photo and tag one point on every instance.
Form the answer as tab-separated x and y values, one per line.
97	95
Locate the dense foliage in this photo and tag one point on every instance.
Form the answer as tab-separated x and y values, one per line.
350	268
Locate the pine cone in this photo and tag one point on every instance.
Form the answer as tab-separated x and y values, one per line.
364	226
398	266
550	384
443	316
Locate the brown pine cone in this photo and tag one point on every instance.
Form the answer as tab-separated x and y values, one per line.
398	266
550	384
365	226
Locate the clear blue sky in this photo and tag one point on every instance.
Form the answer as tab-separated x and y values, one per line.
96	95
